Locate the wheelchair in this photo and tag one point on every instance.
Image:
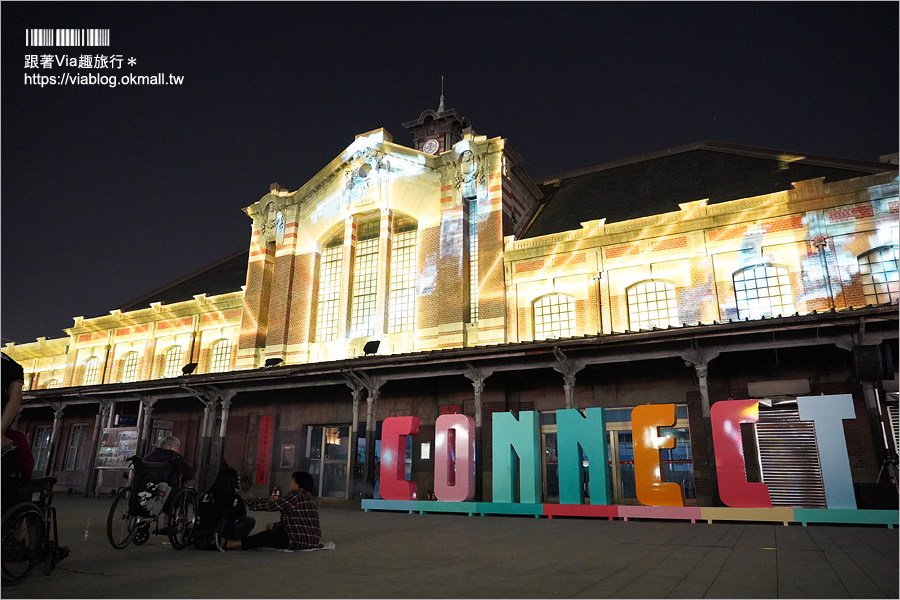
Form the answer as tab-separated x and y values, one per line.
156	489
30	533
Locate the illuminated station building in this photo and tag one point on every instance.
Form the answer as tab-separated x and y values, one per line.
440	279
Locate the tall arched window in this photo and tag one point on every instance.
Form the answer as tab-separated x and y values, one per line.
130	363
365	278
91	371
174	362
329	301
554	316
763	291
220	356
879	275
402	295
51	384
652	303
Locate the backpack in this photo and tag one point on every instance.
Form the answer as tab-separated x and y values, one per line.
205	539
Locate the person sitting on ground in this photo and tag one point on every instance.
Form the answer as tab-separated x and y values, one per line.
298	528
169	448
222	512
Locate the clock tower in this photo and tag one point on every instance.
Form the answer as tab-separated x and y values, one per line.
435	132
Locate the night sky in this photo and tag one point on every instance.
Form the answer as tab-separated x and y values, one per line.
109	193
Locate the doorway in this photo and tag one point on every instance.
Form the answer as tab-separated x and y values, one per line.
328	452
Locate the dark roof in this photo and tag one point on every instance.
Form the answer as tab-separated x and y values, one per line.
221	277
656	183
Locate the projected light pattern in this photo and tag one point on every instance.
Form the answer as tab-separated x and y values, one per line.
879	275
763	291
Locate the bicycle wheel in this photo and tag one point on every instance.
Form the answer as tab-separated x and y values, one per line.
120	526
183	518
24	538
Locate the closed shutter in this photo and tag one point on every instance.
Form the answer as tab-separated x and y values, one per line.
789	457
894	413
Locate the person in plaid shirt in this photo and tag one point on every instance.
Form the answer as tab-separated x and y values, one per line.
298	528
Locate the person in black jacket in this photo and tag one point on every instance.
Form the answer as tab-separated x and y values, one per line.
223	511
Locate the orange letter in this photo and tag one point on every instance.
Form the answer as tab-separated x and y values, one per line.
645	423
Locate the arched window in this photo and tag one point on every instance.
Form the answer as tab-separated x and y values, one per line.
402	296
174	362
554	317
329	301
130	363
220	356
652	303
879	275
763	291
365	278
91	371
51	384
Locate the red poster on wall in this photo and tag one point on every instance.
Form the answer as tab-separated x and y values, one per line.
264	449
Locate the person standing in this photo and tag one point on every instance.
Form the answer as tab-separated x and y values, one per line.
298	528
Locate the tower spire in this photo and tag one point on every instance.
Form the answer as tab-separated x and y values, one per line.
441	105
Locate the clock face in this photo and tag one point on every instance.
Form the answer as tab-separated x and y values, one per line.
430	147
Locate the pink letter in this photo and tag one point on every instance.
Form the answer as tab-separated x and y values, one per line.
454	458
734	489
394	485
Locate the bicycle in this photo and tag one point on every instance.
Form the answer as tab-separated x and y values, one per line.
135	511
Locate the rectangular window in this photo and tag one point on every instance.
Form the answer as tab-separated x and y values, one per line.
473	261
40	445
77	438
329	291
402	299
365	280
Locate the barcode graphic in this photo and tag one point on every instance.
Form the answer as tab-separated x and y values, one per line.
67	37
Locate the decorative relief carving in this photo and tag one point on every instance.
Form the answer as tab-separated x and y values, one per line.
470	174
268	222
362	173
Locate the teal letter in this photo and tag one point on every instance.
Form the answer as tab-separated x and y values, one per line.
827	413
574	434
517	444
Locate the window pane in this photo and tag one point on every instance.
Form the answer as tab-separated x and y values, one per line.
652	303
554	316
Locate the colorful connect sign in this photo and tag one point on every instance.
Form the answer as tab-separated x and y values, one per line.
516	454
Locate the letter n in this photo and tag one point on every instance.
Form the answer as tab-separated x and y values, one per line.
574	435
516	452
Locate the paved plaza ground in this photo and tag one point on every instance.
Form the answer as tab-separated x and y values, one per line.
399	555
